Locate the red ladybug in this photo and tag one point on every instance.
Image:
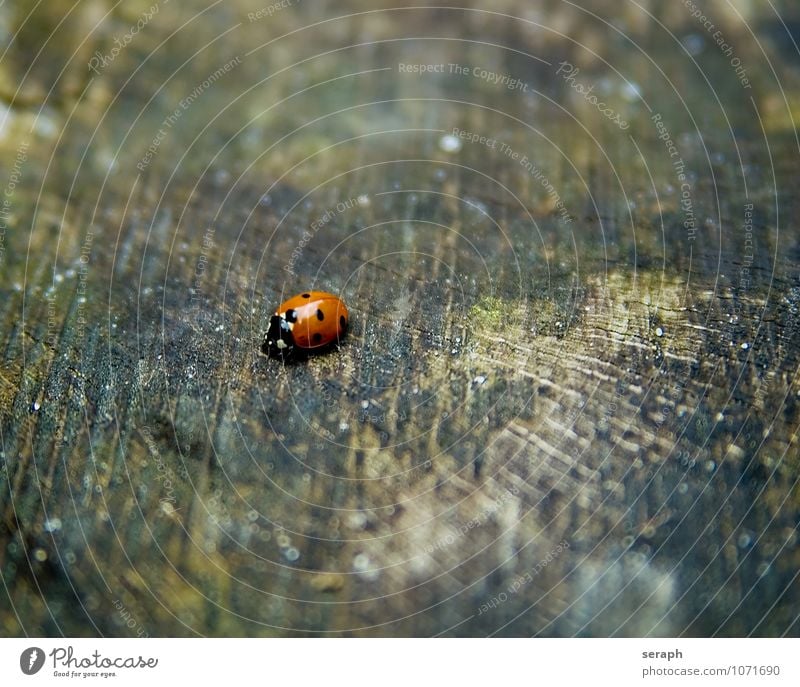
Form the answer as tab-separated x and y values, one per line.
306	323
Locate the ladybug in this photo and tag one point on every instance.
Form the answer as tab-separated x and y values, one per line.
307	323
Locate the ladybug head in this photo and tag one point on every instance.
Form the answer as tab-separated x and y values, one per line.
278	341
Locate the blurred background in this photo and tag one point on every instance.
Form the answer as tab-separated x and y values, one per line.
568	402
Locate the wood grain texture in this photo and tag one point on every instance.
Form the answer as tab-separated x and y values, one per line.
540	424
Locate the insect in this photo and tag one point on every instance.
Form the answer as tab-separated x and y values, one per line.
307	323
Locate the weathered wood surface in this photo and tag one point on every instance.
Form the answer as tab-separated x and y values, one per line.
539	425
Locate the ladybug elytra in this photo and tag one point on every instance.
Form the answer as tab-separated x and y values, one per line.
308	322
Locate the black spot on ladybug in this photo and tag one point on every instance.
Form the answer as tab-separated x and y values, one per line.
305	295
320	315
317	337
342	321
291	315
